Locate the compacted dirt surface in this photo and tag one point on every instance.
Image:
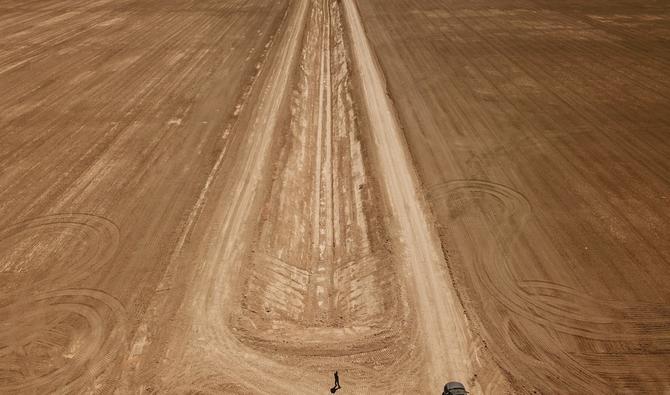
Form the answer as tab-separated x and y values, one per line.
244	196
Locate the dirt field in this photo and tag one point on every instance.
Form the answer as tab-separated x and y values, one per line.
540	131
245	196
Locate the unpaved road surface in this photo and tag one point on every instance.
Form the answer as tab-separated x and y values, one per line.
245	196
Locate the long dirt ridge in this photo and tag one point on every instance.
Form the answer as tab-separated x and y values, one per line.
443	326
325	288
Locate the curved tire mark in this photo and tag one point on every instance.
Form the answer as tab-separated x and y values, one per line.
61	339
564	309
54	250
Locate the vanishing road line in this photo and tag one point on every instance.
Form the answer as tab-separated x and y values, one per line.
443	326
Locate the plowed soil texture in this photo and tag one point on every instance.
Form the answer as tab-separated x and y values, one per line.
246	196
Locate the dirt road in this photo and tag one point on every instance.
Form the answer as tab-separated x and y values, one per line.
443	325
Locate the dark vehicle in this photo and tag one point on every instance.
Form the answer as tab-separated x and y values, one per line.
454	388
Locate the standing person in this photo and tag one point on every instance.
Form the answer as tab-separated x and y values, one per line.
337	383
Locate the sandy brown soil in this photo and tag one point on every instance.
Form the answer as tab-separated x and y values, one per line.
540	132
244	196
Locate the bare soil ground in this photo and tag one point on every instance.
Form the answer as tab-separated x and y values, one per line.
244	196
540	132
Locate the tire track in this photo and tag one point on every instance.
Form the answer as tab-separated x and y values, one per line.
552	305
542	304
60	339
54	250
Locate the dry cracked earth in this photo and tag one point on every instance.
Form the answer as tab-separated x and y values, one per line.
243	196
